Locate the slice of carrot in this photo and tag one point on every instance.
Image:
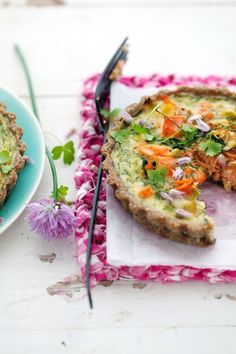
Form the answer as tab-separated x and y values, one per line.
149	166
153	150
199	176
185	185
173	124
146	192
165	98
209	115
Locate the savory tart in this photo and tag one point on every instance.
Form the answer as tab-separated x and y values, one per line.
161	150
11	151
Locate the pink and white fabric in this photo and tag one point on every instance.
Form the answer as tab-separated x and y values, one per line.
88	160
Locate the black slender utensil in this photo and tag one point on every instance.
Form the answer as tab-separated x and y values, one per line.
111	72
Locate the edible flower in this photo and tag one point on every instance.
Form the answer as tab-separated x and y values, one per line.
126	116
201	125
51	219
175	194
178	173
142	122
194	117
184	160
183	213
28	160
222	160
166	196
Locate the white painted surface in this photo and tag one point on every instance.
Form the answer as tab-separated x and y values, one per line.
64	45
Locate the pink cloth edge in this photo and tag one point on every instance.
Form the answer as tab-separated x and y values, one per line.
88	159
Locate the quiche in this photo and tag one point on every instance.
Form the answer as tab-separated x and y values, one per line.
11	152
162	149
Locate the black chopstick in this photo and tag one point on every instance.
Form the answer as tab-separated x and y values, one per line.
101	95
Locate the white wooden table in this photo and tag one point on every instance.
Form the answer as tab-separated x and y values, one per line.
63	45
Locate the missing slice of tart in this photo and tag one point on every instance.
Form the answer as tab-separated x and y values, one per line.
161	150
11	152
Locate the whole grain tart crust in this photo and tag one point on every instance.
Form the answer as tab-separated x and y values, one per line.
10	179
159	222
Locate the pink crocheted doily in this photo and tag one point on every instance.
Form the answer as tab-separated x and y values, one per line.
85	179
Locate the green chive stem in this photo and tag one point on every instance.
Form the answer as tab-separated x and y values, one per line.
53	136
22	60
153	110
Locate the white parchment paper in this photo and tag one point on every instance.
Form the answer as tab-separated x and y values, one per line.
129	243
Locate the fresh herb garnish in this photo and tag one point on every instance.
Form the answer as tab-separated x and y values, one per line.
149	137
120	135
61	193
4	156
156	178
211	147
153	110
189	131
67	151
190	135
6	168
139	129
110	114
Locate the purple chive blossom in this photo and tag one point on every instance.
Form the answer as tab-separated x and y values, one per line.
211	207
222	160
28	160
183	213
194	117
178	173
51	220
149	125
166	196
202	126
175	194
184	160
126	116
142	122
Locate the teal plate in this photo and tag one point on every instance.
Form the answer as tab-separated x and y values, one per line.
30	176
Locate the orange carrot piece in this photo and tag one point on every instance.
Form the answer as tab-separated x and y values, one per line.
146	192
185	185
153	150
171	125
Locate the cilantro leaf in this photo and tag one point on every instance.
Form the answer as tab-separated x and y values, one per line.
139	129
150	137
211	147
190	133
56	152
142	130
114	113
120	135
105	113
4	156
67	151
110	114
62	192
157	177
6	168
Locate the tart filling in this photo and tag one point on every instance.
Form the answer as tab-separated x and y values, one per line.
161	151
11	151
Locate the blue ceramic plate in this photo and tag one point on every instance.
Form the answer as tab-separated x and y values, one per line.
31	174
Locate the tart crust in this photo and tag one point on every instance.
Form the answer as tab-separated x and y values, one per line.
19	161
159	222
